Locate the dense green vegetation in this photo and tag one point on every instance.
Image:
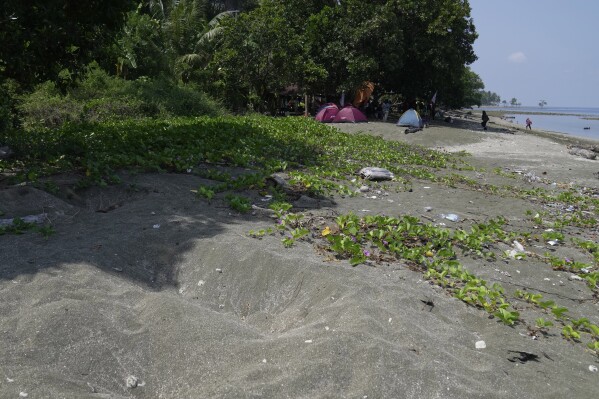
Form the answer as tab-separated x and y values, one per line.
98	151
243	54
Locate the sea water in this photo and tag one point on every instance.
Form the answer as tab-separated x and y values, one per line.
567	120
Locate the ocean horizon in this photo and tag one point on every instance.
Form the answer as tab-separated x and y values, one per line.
576	121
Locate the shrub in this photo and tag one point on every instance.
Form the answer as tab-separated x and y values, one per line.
8	102
46	107
99	97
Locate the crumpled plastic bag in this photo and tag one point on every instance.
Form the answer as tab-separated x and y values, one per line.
376	174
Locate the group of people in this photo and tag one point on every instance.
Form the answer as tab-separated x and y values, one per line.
485	118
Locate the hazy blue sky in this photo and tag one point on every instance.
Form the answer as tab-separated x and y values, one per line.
539	49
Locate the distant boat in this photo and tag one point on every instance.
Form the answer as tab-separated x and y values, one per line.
587	128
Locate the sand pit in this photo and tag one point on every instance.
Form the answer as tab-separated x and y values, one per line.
146	291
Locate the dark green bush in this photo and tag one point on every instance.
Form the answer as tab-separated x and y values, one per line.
8	102
99	97
46	107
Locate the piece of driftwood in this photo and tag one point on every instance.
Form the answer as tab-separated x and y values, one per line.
280	180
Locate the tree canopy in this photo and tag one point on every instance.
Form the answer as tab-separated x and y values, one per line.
246	52
410	47
42	39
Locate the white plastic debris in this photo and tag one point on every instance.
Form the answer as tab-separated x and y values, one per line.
480	345
518	246
156	226
201	283
308	341
450	216
552	242
372	173
132	381
593	368
428	208
517	251
573	277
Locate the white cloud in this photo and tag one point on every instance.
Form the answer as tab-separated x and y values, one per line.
517	57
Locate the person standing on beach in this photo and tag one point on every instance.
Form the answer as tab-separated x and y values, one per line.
485	120
528	124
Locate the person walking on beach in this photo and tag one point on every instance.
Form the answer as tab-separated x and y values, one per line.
528	124
485	120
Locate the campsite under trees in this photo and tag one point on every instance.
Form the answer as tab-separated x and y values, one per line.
71	60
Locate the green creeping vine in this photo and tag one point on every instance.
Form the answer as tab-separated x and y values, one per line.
432	250
423	246
19	226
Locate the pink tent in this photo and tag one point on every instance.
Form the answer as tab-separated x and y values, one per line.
327	113
350	114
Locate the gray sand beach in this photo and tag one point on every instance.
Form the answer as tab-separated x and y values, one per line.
146	291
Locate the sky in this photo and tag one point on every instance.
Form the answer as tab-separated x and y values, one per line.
536	50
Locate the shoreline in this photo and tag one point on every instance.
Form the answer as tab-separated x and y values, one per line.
496	117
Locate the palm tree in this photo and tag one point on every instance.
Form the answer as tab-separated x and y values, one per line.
542	103
204	47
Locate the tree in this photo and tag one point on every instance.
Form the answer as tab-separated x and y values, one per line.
514	102
173	37
259	56
139	49
437	40
490	98
473	88
44	39
413	47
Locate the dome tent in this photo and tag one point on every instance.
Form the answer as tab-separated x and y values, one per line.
327	113
349	113
410	118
